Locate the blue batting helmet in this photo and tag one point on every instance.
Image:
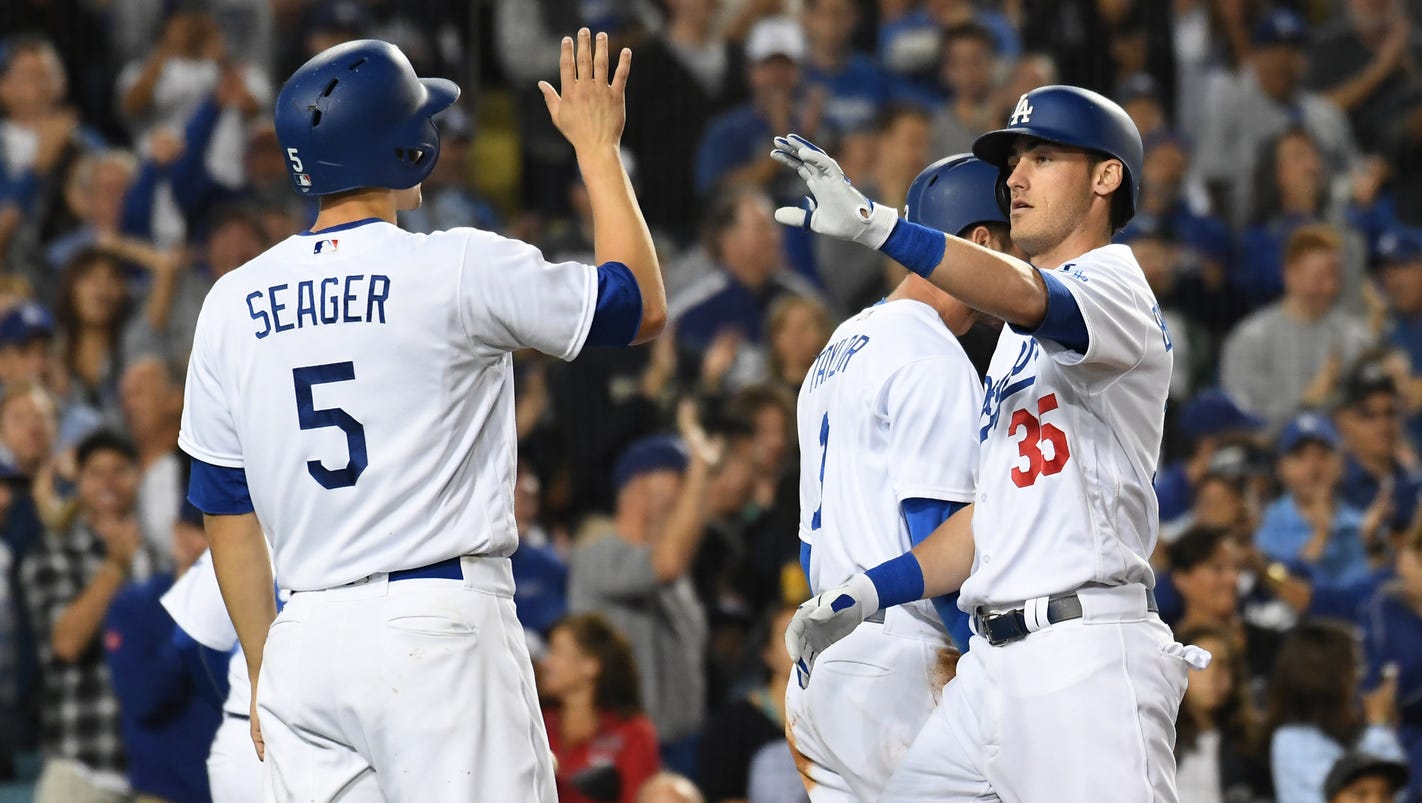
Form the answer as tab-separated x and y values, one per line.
953	194
1069	115
356	115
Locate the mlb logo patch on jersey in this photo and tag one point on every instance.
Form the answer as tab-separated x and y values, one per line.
325	247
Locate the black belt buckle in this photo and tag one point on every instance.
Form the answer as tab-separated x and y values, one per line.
1003	628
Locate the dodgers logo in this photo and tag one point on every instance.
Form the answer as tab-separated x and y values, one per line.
999	391
1022	114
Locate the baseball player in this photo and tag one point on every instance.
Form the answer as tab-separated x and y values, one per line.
1071	688
350	392
234	775
889	450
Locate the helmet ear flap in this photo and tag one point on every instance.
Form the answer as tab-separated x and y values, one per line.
1004	195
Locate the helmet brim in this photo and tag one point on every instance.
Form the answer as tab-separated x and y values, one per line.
441	93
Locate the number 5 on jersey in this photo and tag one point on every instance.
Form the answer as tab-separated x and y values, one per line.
1037	433
312	418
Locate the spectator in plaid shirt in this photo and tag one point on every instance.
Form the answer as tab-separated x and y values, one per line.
68	582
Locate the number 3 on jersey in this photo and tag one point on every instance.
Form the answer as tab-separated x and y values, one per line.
311	418
1037	433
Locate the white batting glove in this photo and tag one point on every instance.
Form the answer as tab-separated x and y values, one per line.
834	207
826	619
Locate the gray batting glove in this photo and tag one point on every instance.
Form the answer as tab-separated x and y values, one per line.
826	619
834	207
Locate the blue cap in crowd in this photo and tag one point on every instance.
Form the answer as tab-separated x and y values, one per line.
24	323
657	453
1401	245
1308	427
1138	86
1213	412
1280	27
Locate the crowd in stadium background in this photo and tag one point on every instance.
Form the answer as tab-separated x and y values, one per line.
1280	225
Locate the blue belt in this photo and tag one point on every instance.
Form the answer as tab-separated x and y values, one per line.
448	569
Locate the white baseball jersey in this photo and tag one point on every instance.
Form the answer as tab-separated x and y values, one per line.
886	413
1070	442
362	378
195	603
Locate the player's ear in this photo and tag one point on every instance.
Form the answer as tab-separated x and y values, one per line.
981	235
1107	176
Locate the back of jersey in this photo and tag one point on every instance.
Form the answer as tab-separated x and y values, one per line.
885	414
361	377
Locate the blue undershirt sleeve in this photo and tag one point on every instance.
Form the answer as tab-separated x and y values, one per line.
1063	322
219	490
923	517
618	315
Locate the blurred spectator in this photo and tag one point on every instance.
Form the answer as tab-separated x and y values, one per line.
668	787
1392	642
68	583
94	193
798	329
637	574
1291	353
855	86
1266	98
91	310
1217	741
166	723
686	73
744	241
911	34
1369	418
732	149
1366	62
27	427
39	136
1139	95
1210	40
1361	778
540	576
1311	528
968	71
26	344
604	747
1158	254
1205	567
1291	191
1399	276
449	199
151	396
1314	713
753	724
1098	45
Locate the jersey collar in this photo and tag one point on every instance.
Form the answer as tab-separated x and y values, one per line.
342	226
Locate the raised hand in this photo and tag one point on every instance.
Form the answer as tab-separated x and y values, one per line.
834	207
588	110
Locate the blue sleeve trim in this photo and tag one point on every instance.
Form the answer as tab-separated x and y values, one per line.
924	515
619	307
805	563
916	247
898	580
218	490
1063	322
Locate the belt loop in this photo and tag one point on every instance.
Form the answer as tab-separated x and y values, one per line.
1034	614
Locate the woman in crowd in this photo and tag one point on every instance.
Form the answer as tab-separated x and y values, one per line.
1317	710
604	746
1217	745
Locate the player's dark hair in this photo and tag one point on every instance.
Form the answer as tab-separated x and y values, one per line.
1315	680
617	687
1236	719
1194	547
104	440
1001	232
66	312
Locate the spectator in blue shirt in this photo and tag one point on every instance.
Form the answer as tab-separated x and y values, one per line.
1314	711
1369	418
855	86
540	573
1398	272
1311	528
1209	425
1392	637
167	724
733	150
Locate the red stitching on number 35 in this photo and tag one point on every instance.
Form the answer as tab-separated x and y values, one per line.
1030	446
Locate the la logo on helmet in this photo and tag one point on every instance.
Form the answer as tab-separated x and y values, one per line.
1021	114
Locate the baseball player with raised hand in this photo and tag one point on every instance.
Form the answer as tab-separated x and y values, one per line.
350	392
1071	688
889	450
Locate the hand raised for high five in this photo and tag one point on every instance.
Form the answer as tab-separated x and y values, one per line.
586	108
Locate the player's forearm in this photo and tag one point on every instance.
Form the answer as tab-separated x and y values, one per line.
946	556
620	233
244	573
1000	285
